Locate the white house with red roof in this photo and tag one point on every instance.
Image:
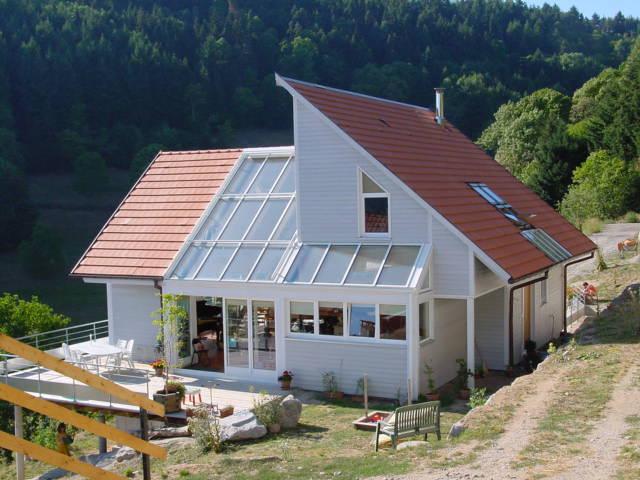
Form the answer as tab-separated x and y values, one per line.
383	239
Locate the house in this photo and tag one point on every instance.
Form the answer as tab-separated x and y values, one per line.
383	239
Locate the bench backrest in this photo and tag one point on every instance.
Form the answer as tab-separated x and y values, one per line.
417	416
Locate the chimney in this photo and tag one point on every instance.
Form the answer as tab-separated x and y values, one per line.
439	105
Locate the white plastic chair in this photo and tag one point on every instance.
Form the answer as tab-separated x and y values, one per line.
68	354
127	353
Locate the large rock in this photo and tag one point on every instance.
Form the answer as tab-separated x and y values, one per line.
457	429
290	411
241	426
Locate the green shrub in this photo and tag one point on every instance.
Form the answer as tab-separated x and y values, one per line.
267	408
592	225
142	160
478	397
631	217
17	214
41	255
25	317
600	263
205	430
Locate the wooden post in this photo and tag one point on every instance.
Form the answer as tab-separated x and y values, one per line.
144	435
409	392
17	420
102	442
365	392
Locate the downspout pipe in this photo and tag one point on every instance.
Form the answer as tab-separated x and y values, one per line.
564	290
522	285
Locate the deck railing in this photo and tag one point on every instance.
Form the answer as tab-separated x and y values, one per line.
53	339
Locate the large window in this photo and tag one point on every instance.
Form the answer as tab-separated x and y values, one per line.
393	322
301	317
331	318
362	320
375	207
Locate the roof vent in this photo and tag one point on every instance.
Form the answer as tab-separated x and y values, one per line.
439	105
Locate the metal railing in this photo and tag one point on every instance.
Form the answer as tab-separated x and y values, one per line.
41	381
53	339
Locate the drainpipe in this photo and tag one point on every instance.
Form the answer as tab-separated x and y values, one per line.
158	286
525	284
564	290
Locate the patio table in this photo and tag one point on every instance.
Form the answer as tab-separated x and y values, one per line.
99	350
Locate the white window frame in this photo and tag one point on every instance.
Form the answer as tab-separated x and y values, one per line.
361	207
544	292
430	308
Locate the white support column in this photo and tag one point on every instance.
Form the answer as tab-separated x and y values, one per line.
110	314
413	346
17	420
281	332
471	331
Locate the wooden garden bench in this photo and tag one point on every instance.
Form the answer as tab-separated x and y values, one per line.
417	419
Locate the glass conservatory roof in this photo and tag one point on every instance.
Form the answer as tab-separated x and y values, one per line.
250	235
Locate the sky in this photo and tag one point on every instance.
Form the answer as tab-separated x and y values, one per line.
604	8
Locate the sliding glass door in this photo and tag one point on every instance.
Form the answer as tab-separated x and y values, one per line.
251	334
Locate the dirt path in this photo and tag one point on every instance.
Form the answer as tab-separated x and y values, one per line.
598	459
495	462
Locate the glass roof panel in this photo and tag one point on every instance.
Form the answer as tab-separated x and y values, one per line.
241	264
241	219
305	264
244	175
190	261
366	265
266	268
215	262
218	217
398	265
335	264
268	175
547	244
267	219
287	182
287	227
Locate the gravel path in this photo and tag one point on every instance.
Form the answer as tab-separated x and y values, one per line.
607	438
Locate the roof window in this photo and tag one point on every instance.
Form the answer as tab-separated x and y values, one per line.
502	206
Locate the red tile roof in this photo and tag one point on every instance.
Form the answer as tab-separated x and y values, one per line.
151	224
437	162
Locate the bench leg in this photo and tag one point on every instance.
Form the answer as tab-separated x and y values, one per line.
438	434
394	442
426	437
377	434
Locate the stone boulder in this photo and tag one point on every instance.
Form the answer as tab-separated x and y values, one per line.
290	411
241	426
457	429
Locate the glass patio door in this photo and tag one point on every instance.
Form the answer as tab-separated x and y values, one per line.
251	334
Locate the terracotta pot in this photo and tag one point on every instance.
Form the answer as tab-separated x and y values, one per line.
432	397
274	428
284	385
159	371
464	394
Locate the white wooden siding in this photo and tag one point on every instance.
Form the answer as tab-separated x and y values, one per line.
450	342
385	365
450	262
518	325
130	315
328	187
548	317
485	279
489	311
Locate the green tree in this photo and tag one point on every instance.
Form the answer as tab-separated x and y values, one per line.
19	317
17	214
604	186
41	254
90	173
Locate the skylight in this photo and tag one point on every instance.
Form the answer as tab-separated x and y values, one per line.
547	244
503	207
246	234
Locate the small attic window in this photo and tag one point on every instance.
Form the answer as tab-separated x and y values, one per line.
503	207
374	207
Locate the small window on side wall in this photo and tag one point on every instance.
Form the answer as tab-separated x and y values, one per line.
375	207
393	322
301	317
425	328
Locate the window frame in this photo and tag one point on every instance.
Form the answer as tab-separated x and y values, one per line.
544	292
431	310
361	207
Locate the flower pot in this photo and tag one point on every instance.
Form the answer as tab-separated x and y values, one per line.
274	428
159	371
464	394
433	396
285	385
171	401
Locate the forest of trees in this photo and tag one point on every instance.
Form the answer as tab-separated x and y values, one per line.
91	84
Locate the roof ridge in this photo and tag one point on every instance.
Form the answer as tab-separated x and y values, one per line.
217	150
357	94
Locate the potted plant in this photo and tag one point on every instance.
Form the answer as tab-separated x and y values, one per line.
285	380
158	365
267	410
462	379
359	395
168	319
432	393
330	383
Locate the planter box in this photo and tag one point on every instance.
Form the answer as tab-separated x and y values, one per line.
171	401
369	422
334	395
226	411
